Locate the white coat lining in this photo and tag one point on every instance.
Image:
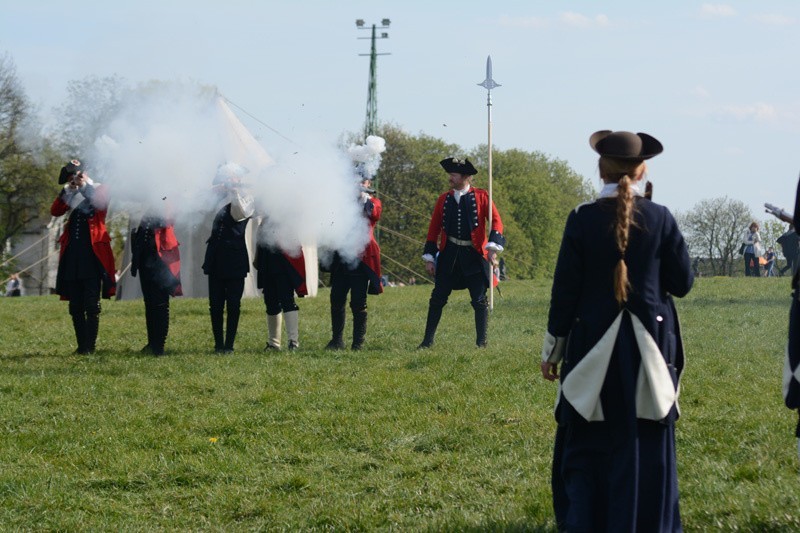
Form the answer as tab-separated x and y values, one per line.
655	391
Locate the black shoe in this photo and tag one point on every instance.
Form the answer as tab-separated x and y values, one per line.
146	350
293	346
424	345
335	345
271	348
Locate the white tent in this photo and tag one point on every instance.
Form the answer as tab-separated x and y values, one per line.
238	145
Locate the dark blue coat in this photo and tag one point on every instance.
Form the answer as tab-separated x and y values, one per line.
614	460
791	370
226	249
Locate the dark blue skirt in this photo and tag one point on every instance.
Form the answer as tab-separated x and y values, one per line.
619	474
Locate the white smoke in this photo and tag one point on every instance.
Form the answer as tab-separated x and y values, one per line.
164	147
368	156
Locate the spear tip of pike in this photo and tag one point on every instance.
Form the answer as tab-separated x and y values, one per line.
489	83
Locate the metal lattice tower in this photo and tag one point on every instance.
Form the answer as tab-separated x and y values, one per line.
371	122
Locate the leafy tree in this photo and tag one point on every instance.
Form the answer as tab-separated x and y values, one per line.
539	194
533	194
713	230
28	159
770	230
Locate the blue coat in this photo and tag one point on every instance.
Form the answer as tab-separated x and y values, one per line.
583	307
791	369
619	370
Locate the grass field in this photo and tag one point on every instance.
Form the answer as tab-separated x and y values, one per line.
450	439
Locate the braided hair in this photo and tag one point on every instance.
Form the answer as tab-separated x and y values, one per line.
623	173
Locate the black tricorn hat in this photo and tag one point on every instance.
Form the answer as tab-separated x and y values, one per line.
625	145
68	170
459	166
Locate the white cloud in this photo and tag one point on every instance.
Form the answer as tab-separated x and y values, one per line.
776	20
700	92
575	20
717	10
523	22
758	112
579	20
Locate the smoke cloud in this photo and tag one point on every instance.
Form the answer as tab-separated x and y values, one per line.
164	147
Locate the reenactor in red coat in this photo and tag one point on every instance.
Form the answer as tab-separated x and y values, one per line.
157	260
360	279
281	275
457	251
86	263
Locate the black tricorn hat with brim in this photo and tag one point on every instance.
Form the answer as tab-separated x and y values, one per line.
69	170
625	145
459	166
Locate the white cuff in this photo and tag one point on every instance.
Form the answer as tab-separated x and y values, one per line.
553	348
428	258
493	246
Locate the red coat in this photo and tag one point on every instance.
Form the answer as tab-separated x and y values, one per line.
101	241
371	256
299	266
167	248
436	232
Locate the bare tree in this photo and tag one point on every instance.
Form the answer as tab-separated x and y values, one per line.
90	104
713	230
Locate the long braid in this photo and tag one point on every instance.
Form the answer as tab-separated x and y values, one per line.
622	232
623	173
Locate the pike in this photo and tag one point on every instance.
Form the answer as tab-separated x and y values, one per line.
490	84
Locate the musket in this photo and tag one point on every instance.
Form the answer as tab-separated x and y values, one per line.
778	212
490	84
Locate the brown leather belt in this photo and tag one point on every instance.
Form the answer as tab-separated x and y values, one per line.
460	242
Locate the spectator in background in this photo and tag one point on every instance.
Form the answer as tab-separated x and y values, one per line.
769	267
13	287
753	249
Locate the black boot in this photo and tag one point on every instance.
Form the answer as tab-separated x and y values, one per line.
359	328
160	327
216	329
232	327
148	322
79	325
481	322
434	315
337	329
92	328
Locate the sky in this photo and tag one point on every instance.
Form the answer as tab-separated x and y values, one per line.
716	83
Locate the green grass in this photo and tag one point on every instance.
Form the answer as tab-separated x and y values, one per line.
450	439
